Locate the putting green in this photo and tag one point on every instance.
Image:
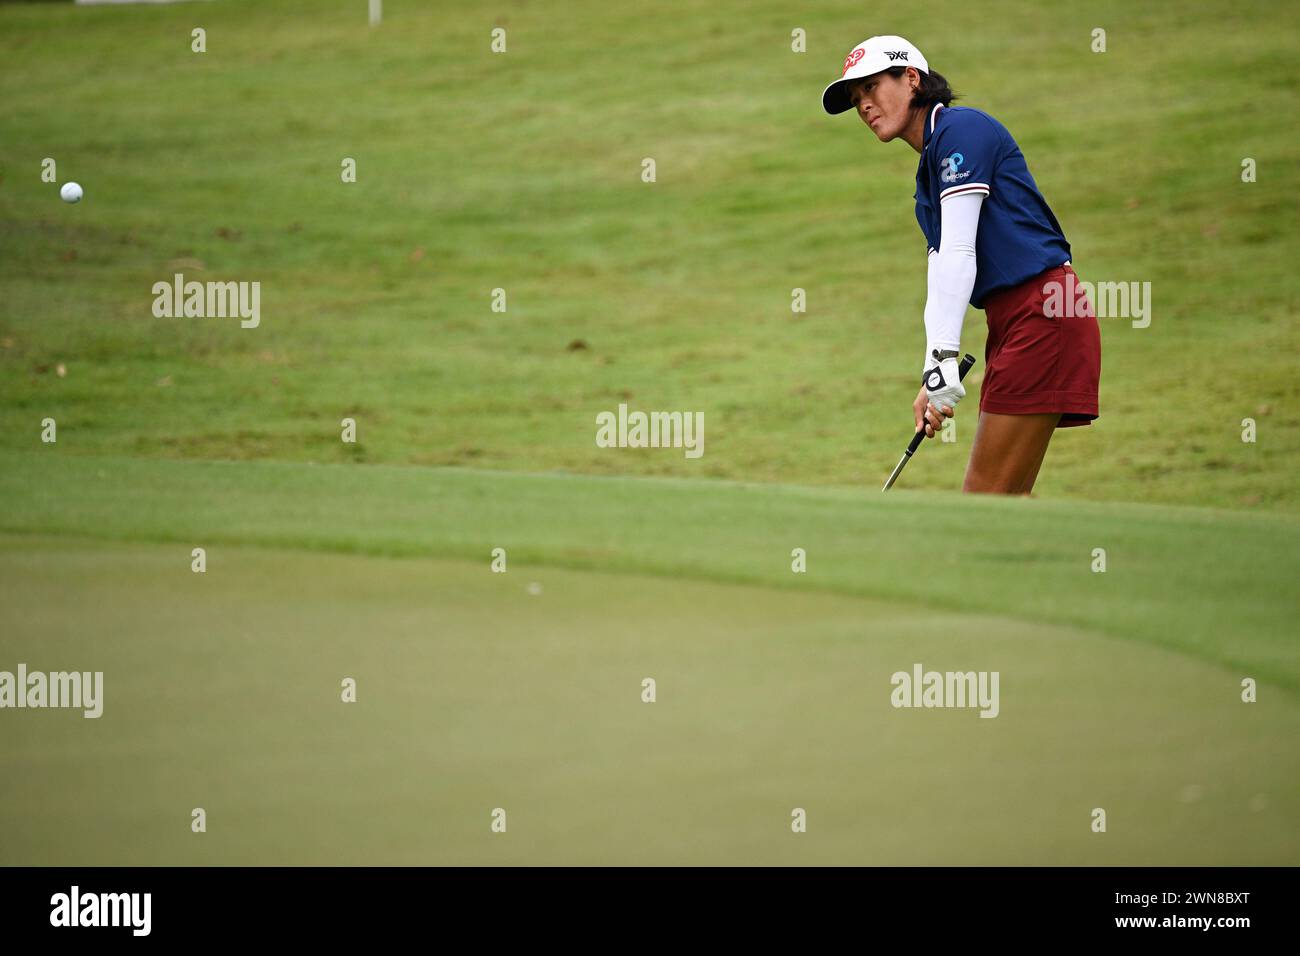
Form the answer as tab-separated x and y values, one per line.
222	691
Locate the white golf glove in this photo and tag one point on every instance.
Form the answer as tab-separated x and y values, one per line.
942	381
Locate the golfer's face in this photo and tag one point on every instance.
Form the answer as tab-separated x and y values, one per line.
882	103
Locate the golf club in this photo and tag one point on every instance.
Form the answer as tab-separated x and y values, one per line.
967	361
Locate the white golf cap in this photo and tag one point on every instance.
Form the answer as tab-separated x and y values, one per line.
867	58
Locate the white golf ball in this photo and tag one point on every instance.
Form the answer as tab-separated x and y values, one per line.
71	192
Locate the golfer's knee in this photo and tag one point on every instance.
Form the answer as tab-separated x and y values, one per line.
980	483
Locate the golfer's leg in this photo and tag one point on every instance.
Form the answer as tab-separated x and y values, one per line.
1008	452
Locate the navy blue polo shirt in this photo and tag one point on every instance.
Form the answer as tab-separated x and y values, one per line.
968	151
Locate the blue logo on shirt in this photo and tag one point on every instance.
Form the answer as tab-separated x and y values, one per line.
950	175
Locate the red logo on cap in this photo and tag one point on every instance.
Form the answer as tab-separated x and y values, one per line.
852	58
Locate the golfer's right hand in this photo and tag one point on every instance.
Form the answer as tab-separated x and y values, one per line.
927	416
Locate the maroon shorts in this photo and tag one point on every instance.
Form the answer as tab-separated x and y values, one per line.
1044	350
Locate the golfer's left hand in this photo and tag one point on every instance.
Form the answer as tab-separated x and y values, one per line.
942	383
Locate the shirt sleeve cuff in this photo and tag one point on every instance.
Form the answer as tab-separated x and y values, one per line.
964	188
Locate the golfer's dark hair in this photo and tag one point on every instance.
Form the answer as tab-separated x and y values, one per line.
933	89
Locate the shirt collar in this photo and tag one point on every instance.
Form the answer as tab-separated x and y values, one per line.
929	125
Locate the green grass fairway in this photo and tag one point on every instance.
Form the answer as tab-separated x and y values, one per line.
222	689
476	430
521	171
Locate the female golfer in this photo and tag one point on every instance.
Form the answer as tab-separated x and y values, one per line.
993	242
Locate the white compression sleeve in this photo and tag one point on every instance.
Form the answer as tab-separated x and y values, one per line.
950	274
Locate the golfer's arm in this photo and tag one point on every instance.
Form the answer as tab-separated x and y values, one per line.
950	275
